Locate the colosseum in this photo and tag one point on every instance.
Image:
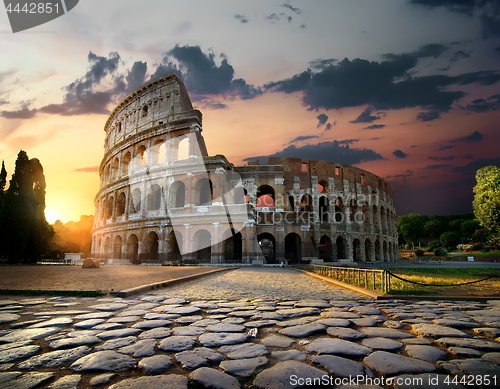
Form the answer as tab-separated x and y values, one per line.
163	198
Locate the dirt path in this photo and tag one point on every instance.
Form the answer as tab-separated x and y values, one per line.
105	279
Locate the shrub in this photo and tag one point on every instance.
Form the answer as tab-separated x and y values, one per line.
487	249
419	253
478	246
440	252
434	244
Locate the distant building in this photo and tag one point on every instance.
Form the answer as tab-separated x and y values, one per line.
163	198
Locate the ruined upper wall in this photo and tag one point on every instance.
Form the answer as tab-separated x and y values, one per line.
159	102
293	167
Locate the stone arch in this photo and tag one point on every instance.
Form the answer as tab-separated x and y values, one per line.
117	247
324	209
154	197
368	250
391	258
266	196
132	248
383	220
267	243
325	249
357	250
291	200
339	210
116	167
177	194
233	246
203	191
202	241
293	248
110	205
306	203
121	201
141	157
126	163
135	201
385	251
155	152
173	243
378	251
152	246
182	147
341	248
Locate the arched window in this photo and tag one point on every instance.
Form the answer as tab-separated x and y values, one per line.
177	194
136	201
204	192
126	164
154	197
111	203
265	196
120	204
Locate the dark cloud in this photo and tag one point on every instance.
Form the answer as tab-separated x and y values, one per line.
474	137
429	115
467	157
302	138
211	104
295	10
497	50
374	126
490	24
89	169
442	158
202	75
326	151
328	126
399	154
492	103
272	18
136	76
458	55
347	141
322	118
390	84
472	167
241	18
431	50
438	166
461	6
366	117
82	96
319	64
443	148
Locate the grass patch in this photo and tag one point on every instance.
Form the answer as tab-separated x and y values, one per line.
452	278
39	292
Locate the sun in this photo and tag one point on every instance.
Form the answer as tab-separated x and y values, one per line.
51	215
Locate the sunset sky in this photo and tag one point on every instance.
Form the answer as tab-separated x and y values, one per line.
406	89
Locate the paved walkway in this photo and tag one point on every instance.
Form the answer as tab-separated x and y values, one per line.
251	327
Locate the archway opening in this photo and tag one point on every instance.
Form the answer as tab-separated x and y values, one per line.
174	242
202	241
204	191
233	247
136	201
293	248
267	243
378	254
265	196
368	255
324	209
182	147
132	248
126	164
110	204
306	203
341	252
151	247
177	194
117	248
385	251
120	204
357	250
154	197
325	249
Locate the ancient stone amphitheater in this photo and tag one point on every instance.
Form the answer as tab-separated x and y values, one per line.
163	198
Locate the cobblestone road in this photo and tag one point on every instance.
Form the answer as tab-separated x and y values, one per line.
247	328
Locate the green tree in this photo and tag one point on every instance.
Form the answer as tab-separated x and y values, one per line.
433	229
486	202
24	232
468	227
450	239
411	227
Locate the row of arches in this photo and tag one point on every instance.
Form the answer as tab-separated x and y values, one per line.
143	155
177	196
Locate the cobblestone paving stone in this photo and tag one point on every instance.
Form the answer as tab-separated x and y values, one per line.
248	328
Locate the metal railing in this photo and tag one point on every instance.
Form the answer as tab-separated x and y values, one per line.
371	279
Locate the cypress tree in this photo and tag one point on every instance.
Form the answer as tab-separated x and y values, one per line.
24	231
3	181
